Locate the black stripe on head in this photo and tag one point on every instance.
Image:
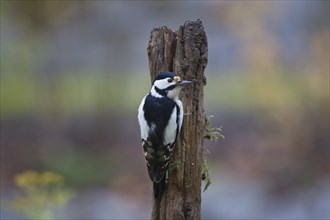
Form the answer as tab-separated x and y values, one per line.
163	92
160	91
164	75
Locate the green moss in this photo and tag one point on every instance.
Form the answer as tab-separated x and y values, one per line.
213	134
205	174
174	166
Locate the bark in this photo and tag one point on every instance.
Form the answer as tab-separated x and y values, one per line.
185	53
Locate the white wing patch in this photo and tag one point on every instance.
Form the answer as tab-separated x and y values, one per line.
170	129
179	103
144	128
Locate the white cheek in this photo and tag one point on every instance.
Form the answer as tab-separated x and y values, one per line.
160	84
163	84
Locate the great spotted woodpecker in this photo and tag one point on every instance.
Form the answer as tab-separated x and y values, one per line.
160	117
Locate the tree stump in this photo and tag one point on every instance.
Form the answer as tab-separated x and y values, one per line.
185	53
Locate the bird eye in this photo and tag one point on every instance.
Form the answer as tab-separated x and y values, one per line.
170	80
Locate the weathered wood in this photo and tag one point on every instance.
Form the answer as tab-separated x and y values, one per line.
183	52
161	50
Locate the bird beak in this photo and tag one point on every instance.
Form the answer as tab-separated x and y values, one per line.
180	82
183	83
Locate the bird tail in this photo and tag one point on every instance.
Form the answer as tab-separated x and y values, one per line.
156	168
159	188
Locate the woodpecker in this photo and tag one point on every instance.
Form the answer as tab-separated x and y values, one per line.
160	117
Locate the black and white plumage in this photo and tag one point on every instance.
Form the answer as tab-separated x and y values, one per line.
160	117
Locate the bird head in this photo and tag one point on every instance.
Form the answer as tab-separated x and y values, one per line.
168	84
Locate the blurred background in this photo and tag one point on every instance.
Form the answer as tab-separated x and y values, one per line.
74	72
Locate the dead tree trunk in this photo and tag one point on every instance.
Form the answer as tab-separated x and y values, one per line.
185	53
